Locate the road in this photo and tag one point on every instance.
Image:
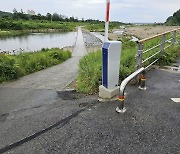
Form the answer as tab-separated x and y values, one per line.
46	121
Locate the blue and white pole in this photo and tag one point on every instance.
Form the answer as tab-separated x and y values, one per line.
111	52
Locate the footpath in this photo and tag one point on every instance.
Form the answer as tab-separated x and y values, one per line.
56	77
44	121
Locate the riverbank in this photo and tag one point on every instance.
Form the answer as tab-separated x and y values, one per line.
13	28
91	42
12	33
146	31
56	77
15	66
90	73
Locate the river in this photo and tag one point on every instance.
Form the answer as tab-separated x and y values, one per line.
37	41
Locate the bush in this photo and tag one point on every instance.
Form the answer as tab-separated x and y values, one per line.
9	69
90	67
89	73
15	66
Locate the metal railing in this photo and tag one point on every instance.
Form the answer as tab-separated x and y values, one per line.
146	57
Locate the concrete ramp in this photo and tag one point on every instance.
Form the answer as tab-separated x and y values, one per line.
56	77
79	49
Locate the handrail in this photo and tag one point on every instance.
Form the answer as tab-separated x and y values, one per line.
121	108
149	38
142	69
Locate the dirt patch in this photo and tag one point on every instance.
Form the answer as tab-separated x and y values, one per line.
70	48
147	31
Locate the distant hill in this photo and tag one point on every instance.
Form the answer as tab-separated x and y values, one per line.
2	14
174	20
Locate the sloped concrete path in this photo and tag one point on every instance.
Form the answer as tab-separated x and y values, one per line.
56	77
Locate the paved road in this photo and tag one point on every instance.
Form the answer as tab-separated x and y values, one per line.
45	121
84	125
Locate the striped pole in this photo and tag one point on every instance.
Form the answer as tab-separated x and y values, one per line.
107	20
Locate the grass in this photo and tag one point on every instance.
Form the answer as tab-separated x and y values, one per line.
20	27
15	66
99	27
90	67
11	33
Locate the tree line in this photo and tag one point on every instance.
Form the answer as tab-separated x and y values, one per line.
174	20
49	17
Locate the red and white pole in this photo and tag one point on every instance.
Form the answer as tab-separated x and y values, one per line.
107	20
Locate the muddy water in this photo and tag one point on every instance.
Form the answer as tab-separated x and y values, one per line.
37	41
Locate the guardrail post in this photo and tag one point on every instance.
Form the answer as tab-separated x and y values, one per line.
139	55
139	59
142	85
174	38
163	43
121	98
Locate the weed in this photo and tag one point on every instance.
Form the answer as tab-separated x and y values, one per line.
15	66
90	67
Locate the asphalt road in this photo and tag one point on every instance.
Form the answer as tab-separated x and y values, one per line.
70	123
43	120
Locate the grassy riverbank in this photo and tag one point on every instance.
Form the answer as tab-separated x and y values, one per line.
90	72
7	33
99	27
10	27
15	66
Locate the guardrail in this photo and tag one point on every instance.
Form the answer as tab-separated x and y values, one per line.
146	57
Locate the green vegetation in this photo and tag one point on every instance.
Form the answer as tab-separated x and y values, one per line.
17	23
14	66
89	76
174	20
9	24
90	71
11	33
99	26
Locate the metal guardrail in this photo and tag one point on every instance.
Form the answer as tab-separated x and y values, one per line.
144	64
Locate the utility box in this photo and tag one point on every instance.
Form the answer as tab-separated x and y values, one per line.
111	52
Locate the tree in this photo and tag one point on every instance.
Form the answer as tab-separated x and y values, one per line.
14	10
22	11
49	16
174	20
55	17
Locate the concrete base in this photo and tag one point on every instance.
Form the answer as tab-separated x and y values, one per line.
108	93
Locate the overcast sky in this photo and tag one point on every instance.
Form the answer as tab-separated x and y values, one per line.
141	11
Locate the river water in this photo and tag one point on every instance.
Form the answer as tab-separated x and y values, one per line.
37	41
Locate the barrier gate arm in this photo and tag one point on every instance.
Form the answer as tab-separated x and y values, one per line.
121	108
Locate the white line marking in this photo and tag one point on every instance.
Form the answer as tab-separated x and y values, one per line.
177	100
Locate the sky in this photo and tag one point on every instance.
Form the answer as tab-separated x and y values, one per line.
128	11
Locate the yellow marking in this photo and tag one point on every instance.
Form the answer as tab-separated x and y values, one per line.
121	99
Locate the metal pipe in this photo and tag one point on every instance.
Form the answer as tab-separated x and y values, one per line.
146	39
170	40
168	46
142	85
151	57
174	38
121	108
163	43
151	48
139	55
151	64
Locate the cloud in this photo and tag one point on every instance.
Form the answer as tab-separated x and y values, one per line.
122	10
